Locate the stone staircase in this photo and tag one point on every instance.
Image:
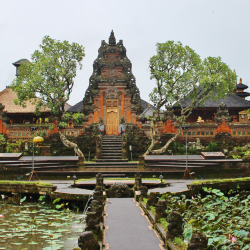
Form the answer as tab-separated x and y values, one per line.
111	157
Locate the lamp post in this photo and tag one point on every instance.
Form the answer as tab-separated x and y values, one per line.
33	147
186	170
161	178
74	178
130	149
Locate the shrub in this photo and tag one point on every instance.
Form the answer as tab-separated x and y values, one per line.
178	241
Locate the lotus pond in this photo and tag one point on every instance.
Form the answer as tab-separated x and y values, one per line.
36	226
223	218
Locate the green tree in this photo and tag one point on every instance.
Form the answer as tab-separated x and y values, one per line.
50	77
2	142
183	78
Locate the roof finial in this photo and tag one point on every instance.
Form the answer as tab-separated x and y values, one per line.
240	82
112	40
148	105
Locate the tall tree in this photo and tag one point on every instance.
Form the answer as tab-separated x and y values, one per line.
182	77
50	77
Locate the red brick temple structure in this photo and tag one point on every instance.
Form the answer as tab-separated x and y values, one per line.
112	92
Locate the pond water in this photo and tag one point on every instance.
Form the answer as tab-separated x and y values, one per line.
35	226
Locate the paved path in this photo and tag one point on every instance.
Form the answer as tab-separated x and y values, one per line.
63	186
127	228
175	186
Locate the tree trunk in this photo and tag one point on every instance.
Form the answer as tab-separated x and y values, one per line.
164	148
70	144
152	129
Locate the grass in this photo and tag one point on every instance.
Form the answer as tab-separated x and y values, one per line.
26	183
220	181
152	209
178	241
144	201
164	223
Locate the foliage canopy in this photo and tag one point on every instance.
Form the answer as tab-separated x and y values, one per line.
183	79
49	76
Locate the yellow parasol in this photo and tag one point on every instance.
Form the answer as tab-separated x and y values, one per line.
38	139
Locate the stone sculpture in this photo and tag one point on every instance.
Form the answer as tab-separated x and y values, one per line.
88	241
175	225
198	242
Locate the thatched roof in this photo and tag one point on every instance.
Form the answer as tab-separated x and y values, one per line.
7	98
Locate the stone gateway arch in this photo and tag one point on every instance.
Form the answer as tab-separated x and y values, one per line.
112	92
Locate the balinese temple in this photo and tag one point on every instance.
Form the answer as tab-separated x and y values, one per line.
112	94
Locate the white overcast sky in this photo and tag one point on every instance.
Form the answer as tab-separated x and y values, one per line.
210	27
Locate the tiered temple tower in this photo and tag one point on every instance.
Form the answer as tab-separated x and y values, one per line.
112	92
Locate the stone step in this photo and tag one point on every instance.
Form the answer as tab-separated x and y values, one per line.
103	170
112	166
108	139
112	143
112	146
111	160
111	153
105	150
110	163
112	157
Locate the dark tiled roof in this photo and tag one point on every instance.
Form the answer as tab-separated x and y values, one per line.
241	86
78	107
242	94
231	101
145	105
18	63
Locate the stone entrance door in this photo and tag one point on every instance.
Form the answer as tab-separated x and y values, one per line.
112	123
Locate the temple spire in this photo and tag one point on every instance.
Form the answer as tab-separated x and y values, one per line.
112	40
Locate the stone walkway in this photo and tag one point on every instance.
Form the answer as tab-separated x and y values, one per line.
127	228
63	186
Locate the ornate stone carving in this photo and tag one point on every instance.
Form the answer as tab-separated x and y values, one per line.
175	225
152	200
138	181
126	79
87	240
198	242
119	190
112	40
222	113
112	93
99	182
144	192
99	147
160	208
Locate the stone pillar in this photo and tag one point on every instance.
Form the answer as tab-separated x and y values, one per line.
99	147
87	241
160	208
124	147
198	242
152	200
141	163
138	181
81	163
175	225
99	182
